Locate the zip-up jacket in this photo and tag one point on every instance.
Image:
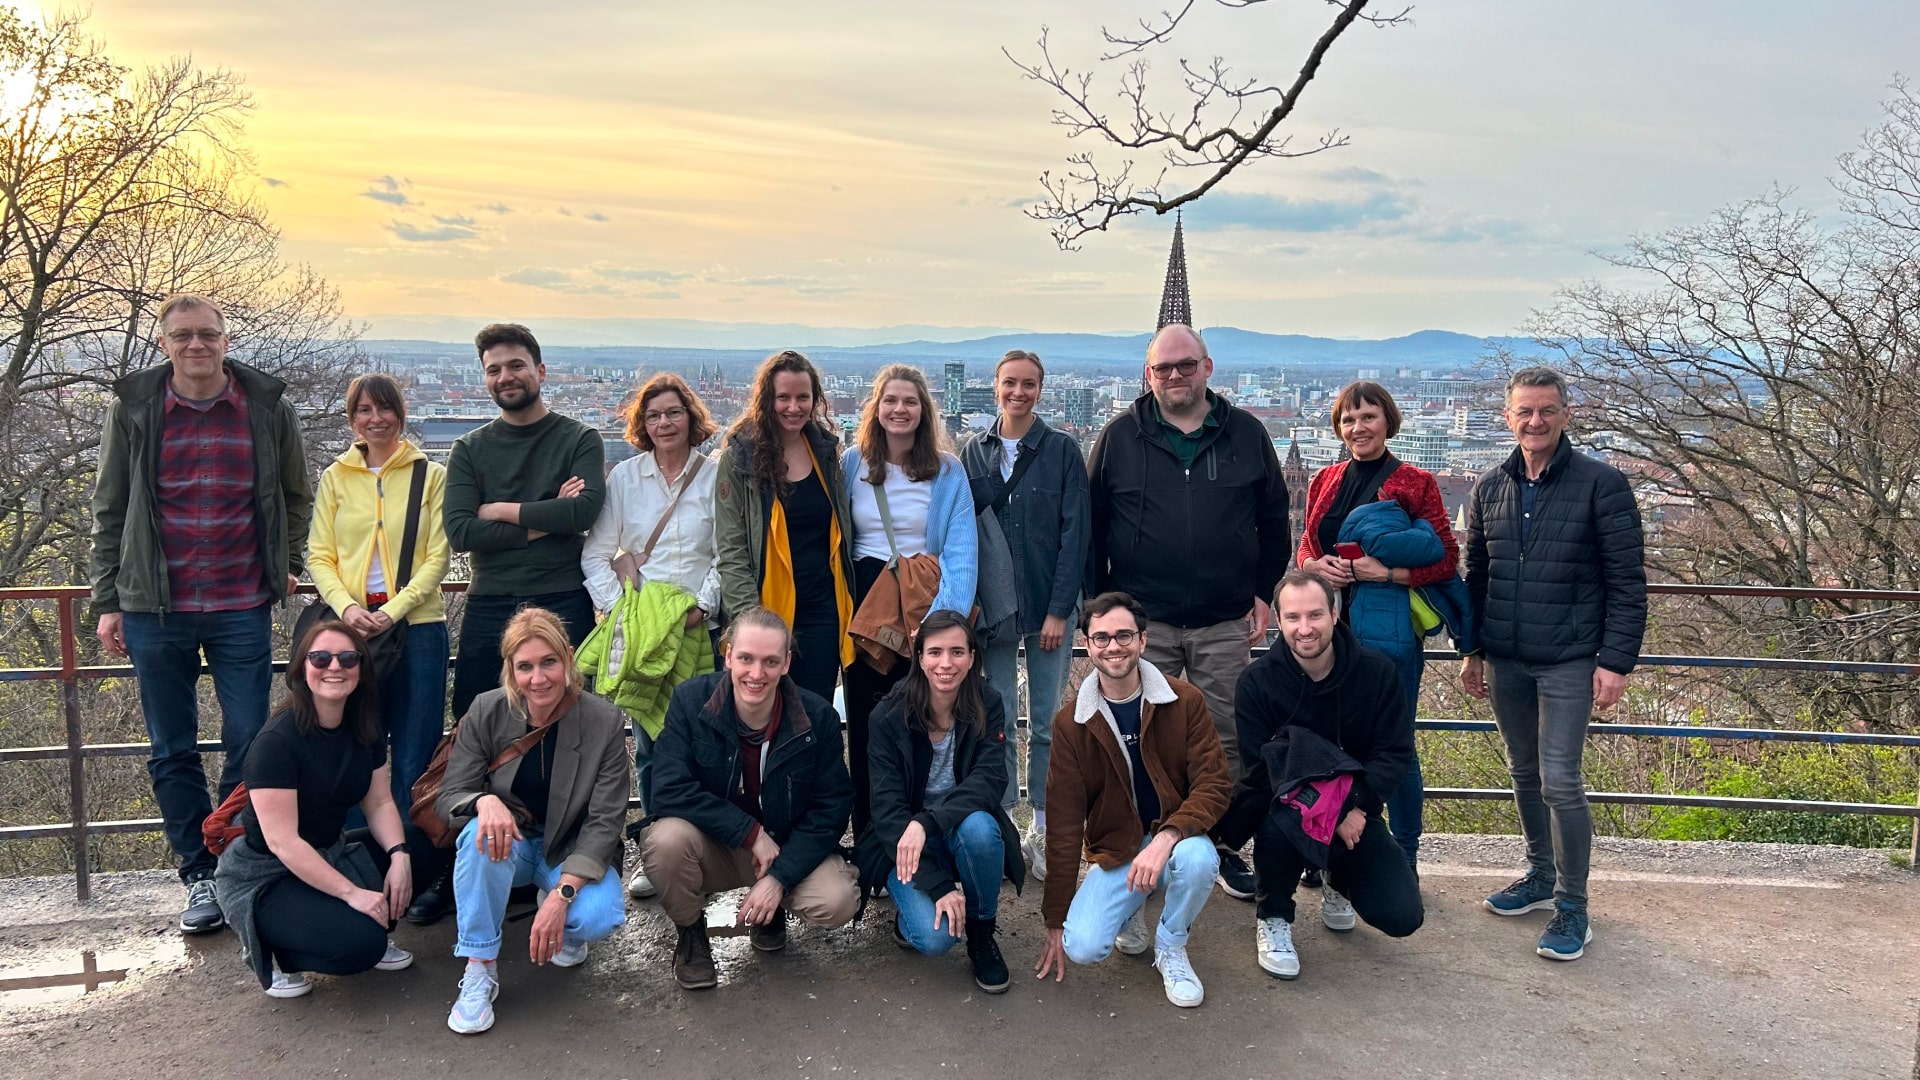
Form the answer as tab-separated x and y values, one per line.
1195	546
1090	801
1046	520
806	796
360	513
1359	707
1570	582
742	513
128	567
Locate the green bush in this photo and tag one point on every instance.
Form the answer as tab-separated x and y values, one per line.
1789	771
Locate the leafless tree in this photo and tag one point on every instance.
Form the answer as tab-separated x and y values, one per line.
1765	388
1218	122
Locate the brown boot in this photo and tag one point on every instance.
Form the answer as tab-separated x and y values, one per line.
693	958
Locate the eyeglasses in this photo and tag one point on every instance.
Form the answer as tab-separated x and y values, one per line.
669	416
1548	414
1103	639
182	337
1184	367
321	658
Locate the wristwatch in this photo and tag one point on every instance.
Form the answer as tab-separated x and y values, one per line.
567	891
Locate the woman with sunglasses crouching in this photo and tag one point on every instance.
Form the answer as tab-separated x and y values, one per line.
303	895
553	816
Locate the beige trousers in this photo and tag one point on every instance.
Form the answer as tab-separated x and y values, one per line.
686	865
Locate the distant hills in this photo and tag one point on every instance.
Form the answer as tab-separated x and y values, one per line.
737	344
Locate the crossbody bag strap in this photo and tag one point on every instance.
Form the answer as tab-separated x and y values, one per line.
693	469
1021	461
416	492
886	522
519	747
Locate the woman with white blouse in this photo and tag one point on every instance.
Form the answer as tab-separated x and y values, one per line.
666	421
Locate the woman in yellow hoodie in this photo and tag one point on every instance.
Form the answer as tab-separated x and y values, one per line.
359	519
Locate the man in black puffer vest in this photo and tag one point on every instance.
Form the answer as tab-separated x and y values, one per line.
1559	593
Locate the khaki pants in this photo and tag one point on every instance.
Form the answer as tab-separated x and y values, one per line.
1211	658
686	865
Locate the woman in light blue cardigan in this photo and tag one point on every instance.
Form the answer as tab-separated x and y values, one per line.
900	447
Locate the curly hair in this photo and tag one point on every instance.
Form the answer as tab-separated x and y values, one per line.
759	428
923	461
700	426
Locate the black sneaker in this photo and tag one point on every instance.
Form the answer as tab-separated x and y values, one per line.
1312	879
1236	877
202	914
989	967
773	936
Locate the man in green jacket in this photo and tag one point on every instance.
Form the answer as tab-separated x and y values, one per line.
200	515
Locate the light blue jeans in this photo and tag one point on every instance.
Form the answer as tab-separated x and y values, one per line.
1104	904
979	853
480	888
1046	681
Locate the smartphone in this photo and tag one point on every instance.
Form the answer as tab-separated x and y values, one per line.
1349	552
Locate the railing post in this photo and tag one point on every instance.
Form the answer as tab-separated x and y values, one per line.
76	748
1913	865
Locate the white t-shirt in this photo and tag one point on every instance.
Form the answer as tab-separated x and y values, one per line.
1012	447
376	573
909	502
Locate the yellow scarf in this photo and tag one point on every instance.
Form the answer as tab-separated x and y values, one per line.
777	592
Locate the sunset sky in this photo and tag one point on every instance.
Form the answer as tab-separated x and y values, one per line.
863	163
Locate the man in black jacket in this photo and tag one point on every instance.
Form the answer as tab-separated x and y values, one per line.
1321	719
749	789
1560	597
1190	518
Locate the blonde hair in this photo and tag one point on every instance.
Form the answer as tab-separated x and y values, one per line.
531	624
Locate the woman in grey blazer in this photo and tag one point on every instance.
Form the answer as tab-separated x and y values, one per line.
553	816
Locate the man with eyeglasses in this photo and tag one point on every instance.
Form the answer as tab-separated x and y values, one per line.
1559	590
521	491
200	512
1136	782
1190	518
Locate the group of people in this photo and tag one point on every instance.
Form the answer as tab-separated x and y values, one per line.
913	575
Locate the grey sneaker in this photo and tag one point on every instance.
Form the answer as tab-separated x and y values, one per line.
473	1009
1273	938
640	886
288	986
202	914
395	958
1132	938
570	954
1336	911
1034	850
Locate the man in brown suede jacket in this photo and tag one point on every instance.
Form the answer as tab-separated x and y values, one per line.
1137	779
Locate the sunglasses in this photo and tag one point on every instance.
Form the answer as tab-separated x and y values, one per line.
321	658
1184	367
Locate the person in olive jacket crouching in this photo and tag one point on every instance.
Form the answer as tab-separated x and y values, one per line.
749	789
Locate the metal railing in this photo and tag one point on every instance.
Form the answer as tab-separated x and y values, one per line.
76	751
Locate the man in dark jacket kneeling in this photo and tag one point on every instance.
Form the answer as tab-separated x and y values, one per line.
749	789
1324	736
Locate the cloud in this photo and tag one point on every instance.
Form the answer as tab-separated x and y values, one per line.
417	235
661	294
273	181
389	190
457	220
539	278
658	277
1233	209
497	208
564	212
597	216
1354	174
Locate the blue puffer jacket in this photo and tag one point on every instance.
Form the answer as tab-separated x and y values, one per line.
1380	613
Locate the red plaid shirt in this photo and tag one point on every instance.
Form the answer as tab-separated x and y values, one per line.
208	526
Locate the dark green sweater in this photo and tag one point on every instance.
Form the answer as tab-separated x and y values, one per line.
503	462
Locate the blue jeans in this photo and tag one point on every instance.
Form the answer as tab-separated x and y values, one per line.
413	707
1046	681
480	888
978	852
165	651
1406	804
1542	712
1104	904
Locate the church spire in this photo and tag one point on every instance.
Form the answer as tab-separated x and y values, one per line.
1175	305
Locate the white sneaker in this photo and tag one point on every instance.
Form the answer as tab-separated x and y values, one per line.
640	886
1336	911
289	986
570	954
1183	986
473	1009
1034	850
396	958
1274	940
1132	938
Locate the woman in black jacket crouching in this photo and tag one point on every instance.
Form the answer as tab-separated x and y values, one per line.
939	768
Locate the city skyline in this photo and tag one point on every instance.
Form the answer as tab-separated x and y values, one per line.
864	166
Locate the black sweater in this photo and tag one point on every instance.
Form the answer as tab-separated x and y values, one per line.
1195	545
1358	707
